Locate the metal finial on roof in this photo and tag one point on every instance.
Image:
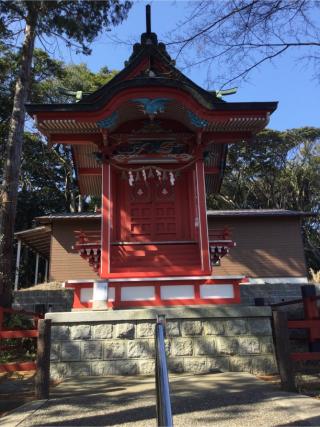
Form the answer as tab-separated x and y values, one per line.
148	19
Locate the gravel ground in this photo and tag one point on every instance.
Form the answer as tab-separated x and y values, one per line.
229	399
15	390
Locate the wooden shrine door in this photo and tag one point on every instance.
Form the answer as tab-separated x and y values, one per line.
155	211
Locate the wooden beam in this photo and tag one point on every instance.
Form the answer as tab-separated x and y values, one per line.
304	324
25	333
282	344
225	137
202	216
46	271
305	356
16	367
16	279
42	380
1	317
106	213
35	240
36	269
124	136
74	139
90	171
211	170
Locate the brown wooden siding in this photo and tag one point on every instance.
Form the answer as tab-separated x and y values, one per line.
266	247
66	263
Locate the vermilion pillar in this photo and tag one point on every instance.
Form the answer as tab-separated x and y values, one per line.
202	213
106	220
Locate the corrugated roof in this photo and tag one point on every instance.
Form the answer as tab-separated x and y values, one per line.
69	215
236	212
257	212
38	239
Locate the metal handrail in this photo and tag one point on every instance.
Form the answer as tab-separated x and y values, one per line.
164	413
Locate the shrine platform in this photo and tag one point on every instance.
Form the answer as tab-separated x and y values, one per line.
200	339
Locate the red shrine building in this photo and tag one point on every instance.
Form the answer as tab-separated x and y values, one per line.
152	144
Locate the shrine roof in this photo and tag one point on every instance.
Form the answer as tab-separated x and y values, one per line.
68	215
96	101
210	213
257	213
205	98
150	65
151	86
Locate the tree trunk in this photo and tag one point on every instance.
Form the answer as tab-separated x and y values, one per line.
9	188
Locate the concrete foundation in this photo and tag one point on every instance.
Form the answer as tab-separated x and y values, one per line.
199	340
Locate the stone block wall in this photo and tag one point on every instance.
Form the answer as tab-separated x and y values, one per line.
50	299
199	340
272	293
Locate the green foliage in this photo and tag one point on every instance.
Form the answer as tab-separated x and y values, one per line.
278	170
44	68
17	321
77	23
8	73
42	176
42	182
47	181
22	348
71	78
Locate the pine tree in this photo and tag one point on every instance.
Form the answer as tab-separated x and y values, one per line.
77	23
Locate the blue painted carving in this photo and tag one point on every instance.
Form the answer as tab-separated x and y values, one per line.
152	106
108	122
152	147
196	121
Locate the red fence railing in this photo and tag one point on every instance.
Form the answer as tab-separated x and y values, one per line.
16	334
282	325
311	322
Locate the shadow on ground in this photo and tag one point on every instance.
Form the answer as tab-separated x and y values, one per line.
235	399
15	390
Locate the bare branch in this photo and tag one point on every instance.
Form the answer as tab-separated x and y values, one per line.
237	36
210	27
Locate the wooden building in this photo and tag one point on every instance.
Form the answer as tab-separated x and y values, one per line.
152	143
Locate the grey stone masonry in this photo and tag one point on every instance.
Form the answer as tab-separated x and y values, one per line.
271	292
57	299
199	340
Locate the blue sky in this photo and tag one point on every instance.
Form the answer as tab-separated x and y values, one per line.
285	80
